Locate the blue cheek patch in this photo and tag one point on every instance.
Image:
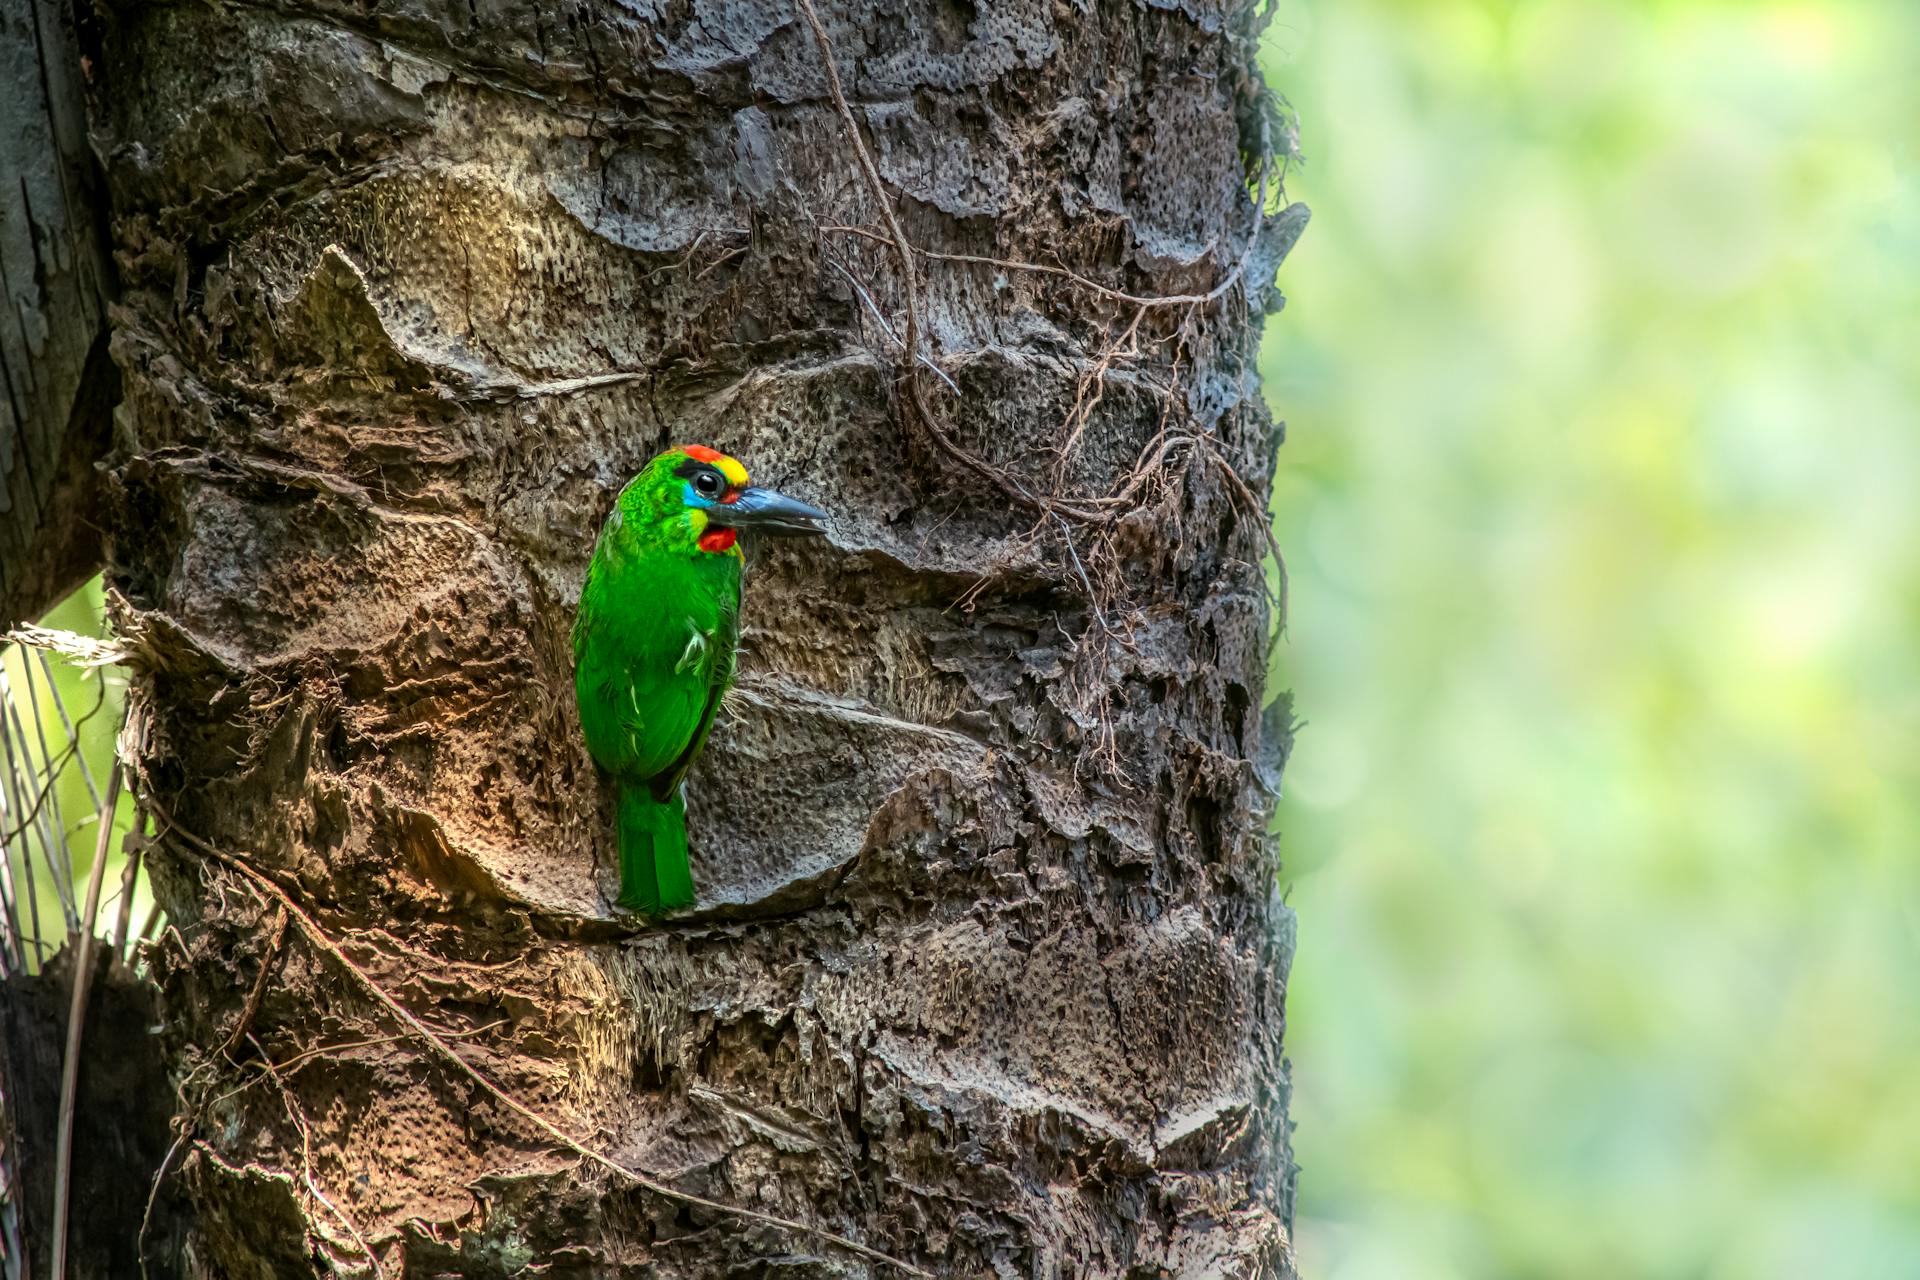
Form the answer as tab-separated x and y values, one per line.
692	499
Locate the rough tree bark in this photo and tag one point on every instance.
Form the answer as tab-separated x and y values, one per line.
988	973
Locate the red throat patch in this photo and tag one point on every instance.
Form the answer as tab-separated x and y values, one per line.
718	539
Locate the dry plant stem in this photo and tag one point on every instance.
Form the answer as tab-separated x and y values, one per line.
1260	516
129	877
1145	303
1081	415
76	1026
300	1061
189	1124
153	1194
910	285
293	1065
1048	269
295	1114
1096	511
873	310
82	650
10	937
50	772
244	1023
10	797
56	823
439	1047
1093	597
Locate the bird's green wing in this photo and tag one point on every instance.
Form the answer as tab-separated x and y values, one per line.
721	660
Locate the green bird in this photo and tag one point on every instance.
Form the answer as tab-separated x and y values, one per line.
653	646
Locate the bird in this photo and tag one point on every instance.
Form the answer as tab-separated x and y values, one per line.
654	644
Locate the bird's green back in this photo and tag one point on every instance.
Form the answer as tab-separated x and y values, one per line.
653	649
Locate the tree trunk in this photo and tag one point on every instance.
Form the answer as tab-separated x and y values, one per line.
55	282
988	969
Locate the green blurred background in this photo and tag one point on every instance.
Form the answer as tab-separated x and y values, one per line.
1602	375
58	721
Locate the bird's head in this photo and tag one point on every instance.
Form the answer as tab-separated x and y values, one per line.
693	498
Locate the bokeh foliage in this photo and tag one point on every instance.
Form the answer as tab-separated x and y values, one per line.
56	746
1602	503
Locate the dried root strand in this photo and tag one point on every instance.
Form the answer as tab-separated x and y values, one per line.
1097	512
439	1047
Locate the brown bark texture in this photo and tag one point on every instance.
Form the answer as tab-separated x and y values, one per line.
988	969
56	381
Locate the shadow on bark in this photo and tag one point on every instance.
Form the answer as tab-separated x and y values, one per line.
122	1122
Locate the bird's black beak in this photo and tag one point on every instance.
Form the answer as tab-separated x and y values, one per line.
758	510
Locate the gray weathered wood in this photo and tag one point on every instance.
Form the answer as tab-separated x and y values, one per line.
54	286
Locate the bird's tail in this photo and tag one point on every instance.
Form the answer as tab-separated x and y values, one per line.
654	875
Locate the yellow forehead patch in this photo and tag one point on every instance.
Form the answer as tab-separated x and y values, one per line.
730	468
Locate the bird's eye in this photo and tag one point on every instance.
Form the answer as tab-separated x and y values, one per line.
707	484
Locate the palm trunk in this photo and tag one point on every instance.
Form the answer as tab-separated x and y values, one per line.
988	970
